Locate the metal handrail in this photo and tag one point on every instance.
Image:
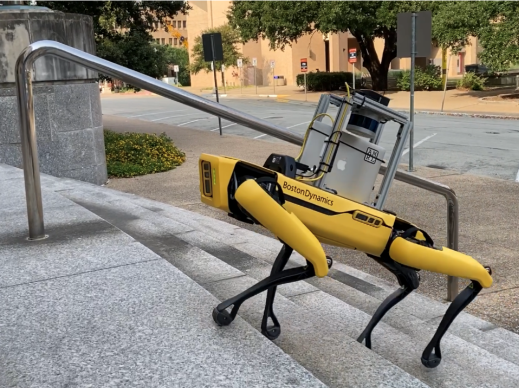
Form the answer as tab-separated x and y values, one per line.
24	66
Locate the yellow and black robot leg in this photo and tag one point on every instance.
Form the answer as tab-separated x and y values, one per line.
409	280
258	204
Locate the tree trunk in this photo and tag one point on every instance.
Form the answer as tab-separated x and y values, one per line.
378	70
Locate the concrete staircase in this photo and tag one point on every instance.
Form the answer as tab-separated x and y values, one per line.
320	318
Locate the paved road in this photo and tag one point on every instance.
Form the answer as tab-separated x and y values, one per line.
487	147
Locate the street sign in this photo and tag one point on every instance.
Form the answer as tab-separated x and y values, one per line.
422	33
212	45
223	67
240	62
352	55
254	62
272	64
175	68
304	65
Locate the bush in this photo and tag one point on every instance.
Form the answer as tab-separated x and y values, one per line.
131	154
428	79
325	81
471	81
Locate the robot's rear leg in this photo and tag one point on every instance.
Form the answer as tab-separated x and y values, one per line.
384	307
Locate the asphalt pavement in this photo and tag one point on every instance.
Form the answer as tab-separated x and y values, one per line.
479	146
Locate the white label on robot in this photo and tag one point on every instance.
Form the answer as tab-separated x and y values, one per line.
341	165
371	155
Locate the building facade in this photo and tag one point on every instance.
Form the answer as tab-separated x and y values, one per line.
322	52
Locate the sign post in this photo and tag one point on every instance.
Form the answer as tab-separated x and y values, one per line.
413	42
240	65
304	69
255	63
272	66
175	69
213	51
352	58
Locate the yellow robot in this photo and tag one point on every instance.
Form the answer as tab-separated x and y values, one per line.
302	217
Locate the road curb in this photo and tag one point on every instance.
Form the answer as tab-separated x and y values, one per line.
464	114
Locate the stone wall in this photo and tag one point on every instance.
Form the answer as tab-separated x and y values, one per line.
69	131
67	100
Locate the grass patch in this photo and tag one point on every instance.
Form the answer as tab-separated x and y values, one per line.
132	154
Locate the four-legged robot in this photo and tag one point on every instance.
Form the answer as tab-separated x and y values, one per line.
303	217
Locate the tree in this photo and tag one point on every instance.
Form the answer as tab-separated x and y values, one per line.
494	23
180	57
230	41
122	29
283	22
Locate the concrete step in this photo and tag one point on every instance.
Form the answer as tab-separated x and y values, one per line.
332	356
91	306
470	354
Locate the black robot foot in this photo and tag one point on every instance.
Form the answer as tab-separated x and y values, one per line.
271	332
222	318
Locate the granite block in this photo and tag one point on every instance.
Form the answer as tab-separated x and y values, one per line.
70	108
141	325
99	145
95	104
463	364
84	247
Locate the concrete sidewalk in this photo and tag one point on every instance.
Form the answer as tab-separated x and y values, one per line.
489	217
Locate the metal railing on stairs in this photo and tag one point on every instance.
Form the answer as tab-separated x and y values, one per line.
24	66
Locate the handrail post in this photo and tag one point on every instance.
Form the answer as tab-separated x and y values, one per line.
31	164
452	241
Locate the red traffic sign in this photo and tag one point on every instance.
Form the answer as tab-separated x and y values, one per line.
304	65
352	55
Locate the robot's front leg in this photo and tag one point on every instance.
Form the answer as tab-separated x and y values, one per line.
223	318
272	332
430	359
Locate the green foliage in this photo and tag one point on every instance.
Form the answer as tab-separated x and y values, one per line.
425	79
283	22
180	57
230	40
325	81
132	154
494	23
471	81
135	50
122	30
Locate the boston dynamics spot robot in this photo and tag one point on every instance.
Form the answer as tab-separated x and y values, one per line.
325	196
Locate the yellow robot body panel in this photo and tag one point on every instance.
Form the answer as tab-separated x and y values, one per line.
445	261
215	174
336	220
283	224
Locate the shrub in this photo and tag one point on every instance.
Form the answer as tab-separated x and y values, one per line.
325	81
428	79
132	154
471	81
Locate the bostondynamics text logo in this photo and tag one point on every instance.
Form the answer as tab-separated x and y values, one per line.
307	193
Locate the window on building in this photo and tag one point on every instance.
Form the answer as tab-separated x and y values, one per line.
184	22
157	40
174	24
163	40
171	41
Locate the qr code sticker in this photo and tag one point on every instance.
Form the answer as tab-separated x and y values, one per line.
371	155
